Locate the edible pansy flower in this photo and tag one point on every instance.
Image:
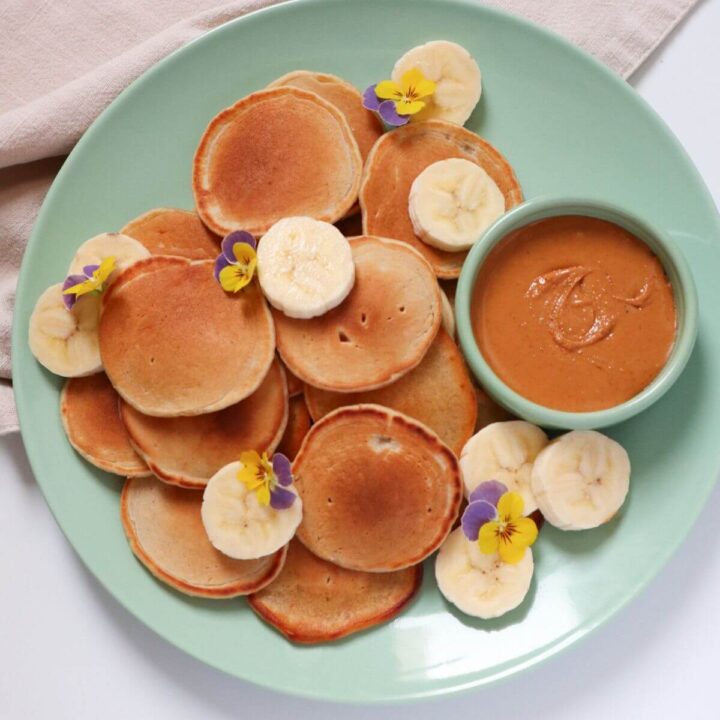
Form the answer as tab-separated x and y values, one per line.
235	266
494	518
268	480
92	279
396	102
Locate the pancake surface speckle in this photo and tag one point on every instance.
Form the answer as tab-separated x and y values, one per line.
276	153
169	231
165	531
399	157
91	418
173	342
378	333
314	601
380	491
438	393
188	451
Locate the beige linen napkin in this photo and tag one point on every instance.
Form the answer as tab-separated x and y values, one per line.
61	64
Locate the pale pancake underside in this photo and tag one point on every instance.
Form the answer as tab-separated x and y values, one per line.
90	416
165	531
314	601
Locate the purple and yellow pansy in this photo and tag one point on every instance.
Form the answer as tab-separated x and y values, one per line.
92	279
236	264
269	480
396	102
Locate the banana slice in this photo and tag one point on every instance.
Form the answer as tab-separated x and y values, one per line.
66	341
503	451
581	480
448	314
124	249
452	203
481	585
238	525
305	266
456	76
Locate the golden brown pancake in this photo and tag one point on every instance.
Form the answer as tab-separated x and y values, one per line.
438	393
299	422
314	601
188	451
365	125
173	342
165	531
378	333
89	411
168	231
399	157
380	491
276	153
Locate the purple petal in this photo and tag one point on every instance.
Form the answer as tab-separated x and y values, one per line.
370	100
71	280
281	468
389	114
475	516
238	236
89	270
281	499
490	491
221	263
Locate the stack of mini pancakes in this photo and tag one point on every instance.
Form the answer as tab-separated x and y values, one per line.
372	400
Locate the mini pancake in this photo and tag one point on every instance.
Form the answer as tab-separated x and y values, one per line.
299	422
89	411
399	157
438	393
380	491
276	153
165	531
173	342
378	333
188	451
365	125
314	601
168	231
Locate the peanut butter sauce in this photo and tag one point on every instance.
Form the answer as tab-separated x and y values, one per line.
574	313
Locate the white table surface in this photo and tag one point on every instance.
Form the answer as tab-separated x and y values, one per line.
68	650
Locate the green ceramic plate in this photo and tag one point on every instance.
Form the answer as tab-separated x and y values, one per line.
567	125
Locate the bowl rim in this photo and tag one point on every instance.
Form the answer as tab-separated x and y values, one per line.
676	268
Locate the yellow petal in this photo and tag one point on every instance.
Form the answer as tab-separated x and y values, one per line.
250	457
244	253
82	288
414	83
488	538
233	278
388	90
403	107
263	495
525	532
510	506
248	476
511	552
103	272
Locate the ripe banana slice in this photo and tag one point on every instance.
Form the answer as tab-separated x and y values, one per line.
580	480
305	266
238	525
503	451
66	341
124	249
448	314
455	74
481	585
452	203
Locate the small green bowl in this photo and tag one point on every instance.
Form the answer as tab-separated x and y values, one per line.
677	271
